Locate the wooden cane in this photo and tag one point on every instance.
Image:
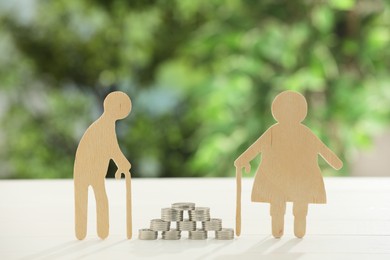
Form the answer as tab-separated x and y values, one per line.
129	216
238	202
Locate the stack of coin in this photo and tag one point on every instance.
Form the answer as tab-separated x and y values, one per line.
198	234
200	214
175	214
147	234
159	225
186	225
172	234
213	224
224	234
169	214
183	205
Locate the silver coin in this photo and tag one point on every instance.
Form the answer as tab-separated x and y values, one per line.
183	205
186	225
202	210
159	225
213	224
147	234
224	234
199	214
172	234
198	234
169	214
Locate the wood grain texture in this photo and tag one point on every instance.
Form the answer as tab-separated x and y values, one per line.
289	170
96	148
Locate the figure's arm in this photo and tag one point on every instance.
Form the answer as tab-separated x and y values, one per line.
120	160
329	156
243	161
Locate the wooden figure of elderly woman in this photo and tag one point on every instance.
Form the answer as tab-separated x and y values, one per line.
289	170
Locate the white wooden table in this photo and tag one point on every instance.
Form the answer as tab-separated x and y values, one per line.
36	222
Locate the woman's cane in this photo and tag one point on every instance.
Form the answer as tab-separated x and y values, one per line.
238	201
128	202
129	216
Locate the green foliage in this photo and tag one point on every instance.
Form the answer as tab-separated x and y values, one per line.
201	74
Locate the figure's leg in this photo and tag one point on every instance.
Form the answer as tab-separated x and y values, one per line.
300	213
278	209
81	208
101	209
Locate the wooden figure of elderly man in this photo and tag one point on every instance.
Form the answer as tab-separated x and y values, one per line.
97	147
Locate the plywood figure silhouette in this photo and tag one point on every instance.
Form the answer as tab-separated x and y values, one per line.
97	147
289	170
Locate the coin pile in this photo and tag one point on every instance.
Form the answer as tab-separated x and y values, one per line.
213	224
198	234
186	225
172	234
176	214
147	234
183	205
224	234
199	214
159	225
170	214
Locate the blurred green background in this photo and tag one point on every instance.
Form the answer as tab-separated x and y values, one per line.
201	74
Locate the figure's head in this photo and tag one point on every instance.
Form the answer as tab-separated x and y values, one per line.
289	106
117	105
